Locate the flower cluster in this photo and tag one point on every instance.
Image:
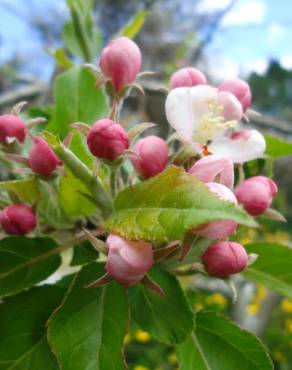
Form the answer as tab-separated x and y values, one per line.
205	118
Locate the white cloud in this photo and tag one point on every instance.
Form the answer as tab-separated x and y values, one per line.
257	65
286	61
245	12
275	32
210	6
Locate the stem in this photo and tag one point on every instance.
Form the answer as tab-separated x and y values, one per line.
81	172
113	180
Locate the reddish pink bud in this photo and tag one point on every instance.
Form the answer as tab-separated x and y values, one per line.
256	194
42	159
240	89
18	219
152	156
209	168
187	77
107	139
225	258
11	127
222	228
121	62
128	261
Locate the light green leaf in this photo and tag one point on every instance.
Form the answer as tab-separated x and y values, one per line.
23	343
26	190
277	147
25	262
167	206
219	344
133	27
273	267
76	99
62	59
87	330
169	318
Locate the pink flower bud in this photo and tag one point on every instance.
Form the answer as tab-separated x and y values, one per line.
152	156
42	159
128	261
11	127
240	89
121	62
225	258
232	107
256	194
187	77
107	139
222	228
18	219
209	168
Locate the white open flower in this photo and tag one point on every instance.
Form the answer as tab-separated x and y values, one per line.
201	113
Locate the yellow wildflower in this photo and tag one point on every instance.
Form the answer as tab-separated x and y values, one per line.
253	309
288	325
142	336
141	367
217	299
172	358
286	305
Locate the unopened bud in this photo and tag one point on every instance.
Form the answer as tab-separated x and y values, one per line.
187	77
107	139
240	89
128	261
42	159
18	219
121	62
152	156
256	194
225	258
11	127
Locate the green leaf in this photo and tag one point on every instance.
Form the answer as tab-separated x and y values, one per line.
76	99
83	253
168	319
25	262
167	206
72	192
133	27
26	190
23	343
87	330
62	59
219	344
277	147
273	267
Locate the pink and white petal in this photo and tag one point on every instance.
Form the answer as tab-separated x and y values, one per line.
240	148
208	168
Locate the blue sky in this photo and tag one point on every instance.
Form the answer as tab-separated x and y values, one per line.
251	34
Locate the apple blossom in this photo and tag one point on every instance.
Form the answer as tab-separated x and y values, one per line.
201	113
42	159
11	127
242	146
107	139
256	194
240	89
121	62
225	258
152	156
210	167
187	77
128	261
222	228
18	219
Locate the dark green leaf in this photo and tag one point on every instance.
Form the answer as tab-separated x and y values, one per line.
168	319
277	147
166	206
273	267
76	99
219	344
83	253
23	343
87	330
25	262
